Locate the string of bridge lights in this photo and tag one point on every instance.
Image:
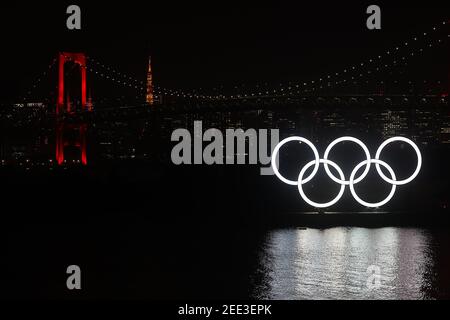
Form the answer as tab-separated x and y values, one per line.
352	74
126	78
362	75
39	78
113	79
388	54
314	85
355	79
126	84
129	81
330	80
362	70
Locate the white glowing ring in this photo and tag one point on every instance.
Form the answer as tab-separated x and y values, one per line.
302	193
277	149
352	188
351	139
419	161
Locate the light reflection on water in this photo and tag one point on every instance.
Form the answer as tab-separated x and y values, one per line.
333	263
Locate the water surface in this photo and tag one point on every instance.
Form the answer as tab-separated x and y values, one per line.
354	263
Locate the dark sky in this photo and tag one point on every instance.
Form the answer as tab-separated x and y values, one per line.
196	44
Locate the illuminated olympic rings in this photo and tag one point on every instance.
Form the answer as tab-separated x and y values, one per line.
341	180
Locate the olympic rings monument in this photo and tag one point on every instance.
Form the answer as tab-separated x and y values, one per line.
352	179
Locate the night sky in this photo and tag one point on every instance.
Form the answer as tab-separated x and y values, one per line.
202	45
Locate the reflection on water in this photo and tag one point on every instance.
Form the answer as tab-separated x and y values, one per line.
333	264
139	260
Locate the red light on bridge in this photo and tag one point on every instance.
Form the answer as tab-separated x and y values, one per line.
61	126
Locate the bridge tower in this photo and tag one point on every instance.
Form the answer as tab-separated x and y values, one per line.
80	60
63	125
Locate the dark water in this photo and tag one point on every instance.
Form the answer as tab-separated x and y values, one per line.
356	263
147	261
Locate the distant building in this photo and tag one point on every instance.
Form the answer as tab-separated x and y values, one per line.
30	105
394	123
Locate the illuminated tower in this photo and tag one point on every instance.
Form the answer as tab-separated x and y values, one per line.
149	97
80	60
66	107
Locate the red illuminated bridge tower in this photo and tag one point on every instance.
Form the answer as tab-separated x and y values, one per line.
64	109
